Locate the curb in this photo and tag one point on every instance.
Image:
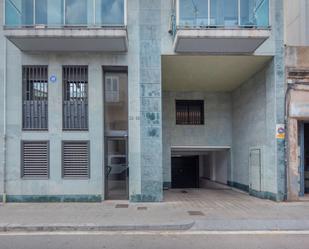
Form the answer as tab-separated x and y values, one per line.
93	227
251	225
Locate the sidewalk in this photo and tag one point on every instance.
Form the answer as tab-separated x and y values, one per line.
219	210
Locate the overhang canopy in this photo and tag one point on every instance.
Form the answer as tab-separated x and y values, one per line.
68	40
244	41
209	72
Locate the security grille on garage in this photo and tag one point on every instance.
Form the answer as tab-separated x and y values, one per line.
35	159
76	159
75	98
189	112
35	97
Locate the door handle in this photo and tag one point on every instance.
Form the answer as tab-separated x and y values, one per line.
108	170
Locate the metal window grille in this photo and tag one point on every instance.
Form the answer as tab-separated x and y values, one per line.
35	97
75	98
189	112
35	159
75	159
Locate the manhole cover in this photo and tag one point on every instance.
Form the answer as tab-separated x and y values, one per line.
196	213
141	208
121	206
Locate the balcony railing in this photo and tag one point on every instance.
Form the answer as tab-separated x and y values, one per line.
222	14
65	13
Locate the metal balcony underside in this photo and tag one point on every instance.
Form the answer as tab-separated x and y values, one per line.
69	40
219	41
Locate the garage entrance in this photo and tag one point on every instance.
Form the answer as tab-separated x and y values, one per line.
185	172
200	168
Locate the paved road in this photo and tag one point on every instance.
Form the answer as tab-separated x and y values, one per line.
154	241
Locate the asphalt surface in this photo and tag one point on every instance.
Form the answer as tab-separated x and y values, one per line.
154	241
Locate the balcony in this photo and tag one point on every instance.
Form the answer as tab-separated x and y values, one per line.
220	26
66	25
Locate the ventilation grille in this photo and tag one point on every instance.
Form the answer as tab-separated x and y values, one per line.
76	159
35	159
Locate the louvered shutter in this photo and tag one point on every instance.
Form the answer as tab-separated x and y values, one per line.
76	159
35	159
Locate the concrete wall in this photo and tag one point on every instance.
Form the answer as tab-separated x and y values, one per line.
215	166
249	124
254	127
297	57
222	163
296	22
217	130
296	60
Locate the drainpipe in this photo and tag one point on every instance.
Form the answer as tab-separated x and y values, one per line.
4	121
287	144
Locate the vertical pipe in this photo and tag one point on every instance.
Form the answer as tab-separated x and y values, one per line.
94	12
239	21
125	12
177	13
64	13
4	14
4	121
34	14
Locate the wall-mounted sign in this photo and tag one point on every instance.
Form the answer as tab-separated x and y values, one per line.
53	79
280	131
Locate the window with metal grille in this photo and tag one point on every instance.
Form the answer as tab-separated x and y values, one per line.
35	97
75	97
35	159
75	155
189	112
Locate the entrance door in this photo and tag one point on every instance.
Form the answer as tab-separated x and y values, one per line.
185	172
116	133
255	169
116	169
305	160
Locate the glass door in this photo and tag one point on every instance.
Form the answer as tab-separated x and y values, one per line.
116	169
116	134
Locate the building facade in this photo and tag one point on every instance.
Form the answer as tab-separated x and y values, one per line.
121	99
297	96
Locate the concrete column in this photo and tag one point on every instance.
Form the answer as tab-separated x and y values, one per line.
150	99
2	68
280	90
134	101
293	161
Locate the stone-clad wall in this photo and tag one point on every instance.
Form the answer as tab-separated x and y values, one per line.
150	94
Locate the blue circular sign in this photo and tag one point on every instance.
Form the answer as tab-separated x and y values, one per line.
281	130
53	79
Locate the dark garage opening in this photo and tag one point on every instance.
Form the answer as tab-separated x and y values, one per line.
185	172
200	168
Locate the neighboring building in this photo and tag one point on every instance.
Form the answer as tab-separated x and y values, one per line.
117	99
297	97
